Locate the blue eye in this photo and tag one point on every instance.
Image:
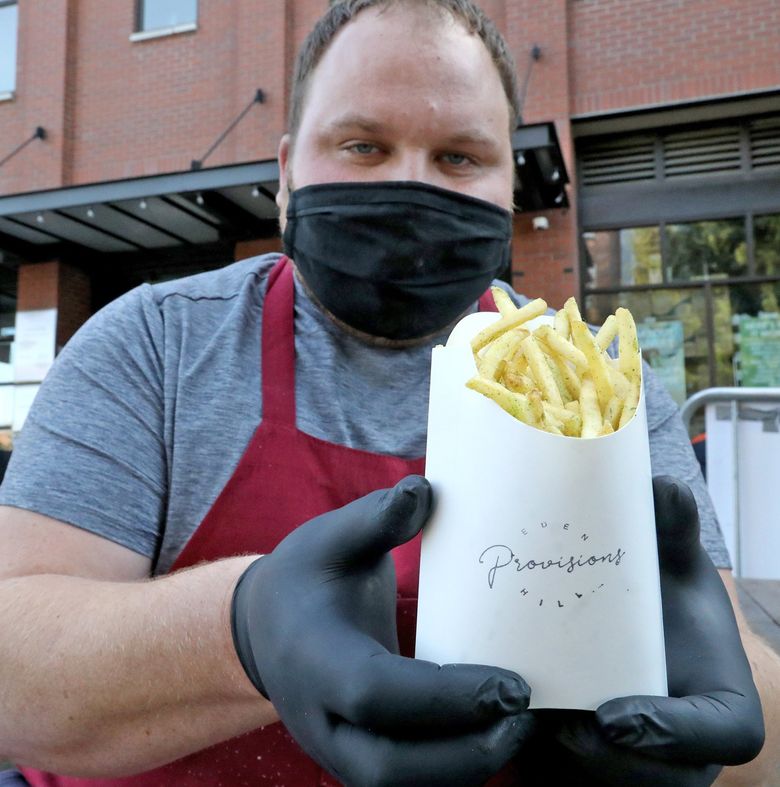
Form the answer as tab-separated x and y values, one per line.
456	159
363	148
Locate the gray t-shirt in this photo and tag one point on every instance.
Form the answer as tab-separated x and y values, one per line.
147	410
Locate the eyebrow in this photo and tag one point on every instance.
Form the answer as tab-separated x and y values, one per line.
354	121
364	123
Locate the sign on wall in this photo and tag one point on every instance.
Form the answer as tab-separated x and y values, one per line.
757	364
662	347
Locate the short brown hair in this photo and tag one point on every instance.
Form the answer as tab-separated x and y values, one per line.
343	11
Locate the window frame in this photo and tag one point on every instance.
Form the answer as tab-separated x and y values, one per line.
139	32
8	94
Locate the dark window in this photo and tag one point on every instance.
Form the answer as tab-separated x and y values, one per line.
767	230
8	30
683	228
157	14
706	250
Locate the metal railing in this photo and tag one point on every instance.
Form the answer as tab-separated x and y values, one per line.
734	397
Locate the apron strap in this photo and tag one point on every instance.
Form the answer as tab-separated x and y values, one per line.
486	302
278	345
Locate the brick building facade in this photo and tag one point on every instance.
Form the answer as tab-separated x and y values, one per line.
128	108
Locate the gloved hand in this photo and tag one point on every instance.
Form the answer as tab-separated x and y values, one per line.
314	624
713	714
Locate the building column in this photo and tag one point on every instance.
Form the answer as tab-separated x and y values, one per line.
53	301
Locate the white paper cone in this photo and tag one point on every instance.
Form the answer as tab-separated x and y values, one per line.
540	555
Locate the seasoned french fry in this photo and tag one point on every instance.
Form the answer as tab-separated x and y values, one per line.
570	422
503	302
589	409
631	403
519	383
559	377
561	346
597	365
570	378
619	381
537	363
504	324
613	410
561	323
572	311
535	403
492	360
628	344
514	403
607	332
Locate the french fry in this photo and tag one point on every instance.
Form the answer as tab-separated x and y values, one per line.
564	348
570	378
521	315
561	323
492	360
570	421
597	364
504	303
572	311
631	403
589	409
519	383
607	332
537	363
514	403
619	381
559	378
628	344
613	410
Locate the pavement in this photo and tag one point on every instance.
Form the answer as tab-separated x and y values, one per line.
760	601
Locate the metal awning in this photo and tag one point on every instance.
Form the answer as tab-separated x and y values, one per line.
140	215
540	168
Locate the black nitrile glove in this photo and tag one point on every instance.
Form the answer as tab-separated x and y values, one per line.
713	714
314	624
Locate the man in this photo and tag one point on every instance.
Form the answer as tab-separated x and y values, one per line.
106	675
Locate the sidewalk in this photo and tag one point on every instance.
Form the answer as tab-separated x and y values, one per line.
760	600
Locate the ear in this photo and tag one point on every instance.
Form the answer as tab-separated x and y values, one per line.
283	194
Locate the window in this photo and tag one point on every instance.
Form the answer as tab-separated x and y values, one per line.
681	224
166	14
8	27
627	256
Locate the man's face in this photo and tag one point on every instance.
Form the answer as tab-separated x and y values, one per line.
403	94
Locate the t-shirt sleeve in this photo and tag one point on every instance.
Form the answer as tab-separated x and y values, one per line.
92	450
671	453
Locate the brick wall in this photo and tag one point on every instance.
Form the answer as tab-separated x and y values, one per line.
647	52
119	109
39	100
55	285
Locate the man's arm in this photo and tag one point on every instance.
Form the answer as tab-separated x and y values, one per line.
765	663
104	672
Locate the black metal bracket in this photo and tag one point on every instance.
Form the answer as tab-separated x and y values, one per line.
39	133
259	98
534	55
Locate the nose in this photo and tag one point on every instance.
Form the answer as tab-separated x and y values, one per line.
415	165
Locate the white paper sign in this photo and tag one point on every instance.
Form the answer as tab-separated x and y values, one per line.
540	556
35	340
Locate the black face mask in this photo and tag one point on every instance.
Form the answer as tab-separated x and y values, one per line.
397	260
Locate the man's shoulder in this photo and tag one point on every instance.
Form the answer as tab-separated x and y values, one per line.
224	283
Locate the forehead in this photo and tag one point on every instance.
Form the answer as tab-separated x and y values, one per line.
402	59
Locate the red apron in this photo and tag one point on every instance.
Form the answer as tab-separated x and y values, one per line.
284	478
